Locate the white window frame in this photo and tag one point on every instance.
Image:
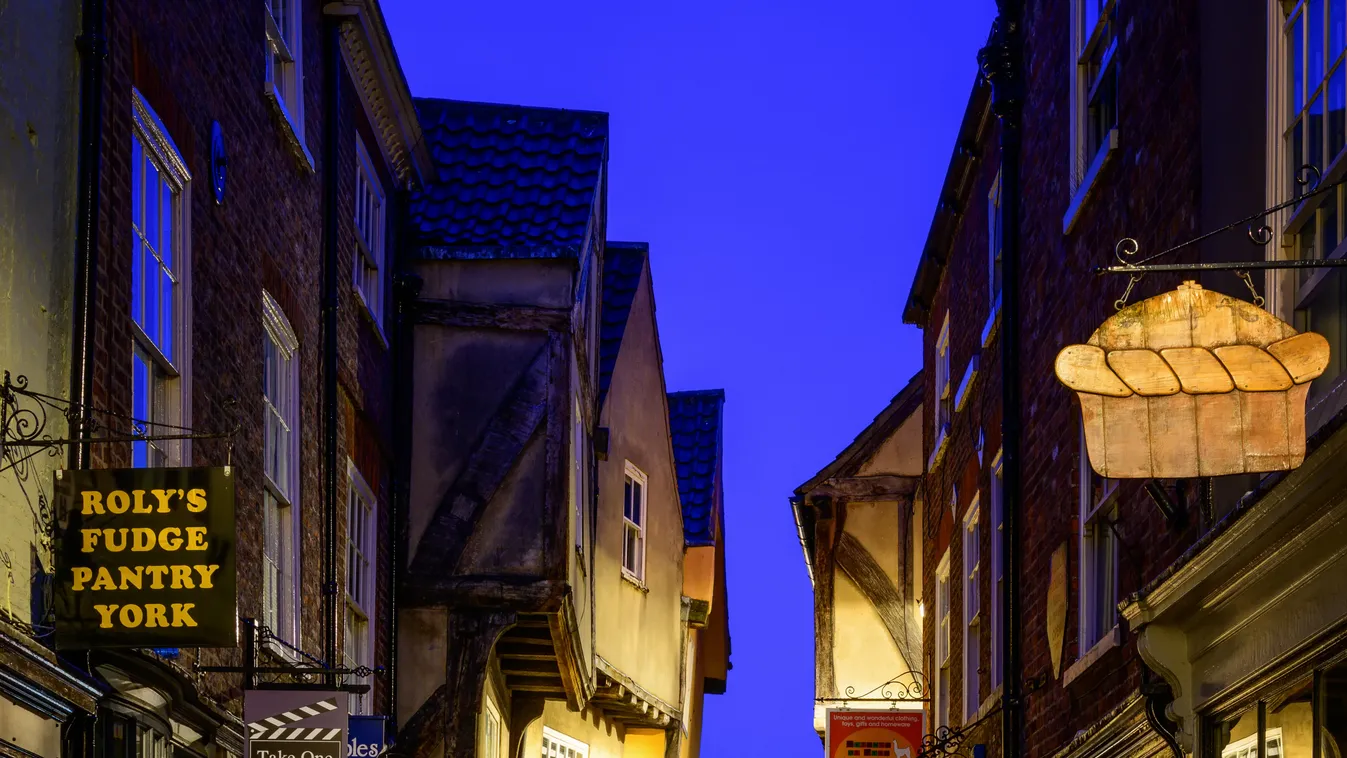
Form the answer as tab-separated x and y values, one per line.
280	499
558	745
972	608
1090	47
994	220
635	572
1320	229
1098	611
285	63
168	377
996	501
371	229
943	680
1248	746
491	717
944	390
359	495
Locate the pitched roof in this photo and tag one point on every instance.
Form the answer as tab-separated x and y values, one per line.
953	198
695	423
511	181
622	266
847	462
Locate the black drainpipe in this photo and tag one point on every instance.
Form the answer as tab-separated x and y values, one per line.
93	51
331	249
407	286
1001	62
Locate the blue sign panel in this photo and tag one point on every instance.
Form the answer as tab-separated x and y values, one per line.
365	737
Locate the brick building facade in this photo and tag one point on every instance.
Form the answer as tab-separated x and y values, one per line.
1133	127
244	153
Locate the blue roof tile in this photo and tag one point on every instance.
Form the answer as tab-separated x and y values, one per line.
622	265
508	177
695	423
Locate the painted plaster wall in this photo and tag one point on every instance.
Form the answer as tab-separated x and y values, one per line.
603	738
38	133
640	630
900	454
460	379
543	283
864	655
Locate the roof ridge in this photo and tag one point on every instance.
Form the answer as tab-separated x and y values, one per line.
484	105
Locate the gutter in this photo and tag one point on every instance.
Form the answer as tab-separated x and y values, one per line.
92	45
797	507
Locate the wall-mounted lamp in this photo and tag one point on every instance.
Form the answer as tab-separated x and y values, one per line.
921	609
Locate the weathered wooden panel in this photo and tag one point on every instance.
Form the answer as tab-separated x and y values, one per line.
1193	383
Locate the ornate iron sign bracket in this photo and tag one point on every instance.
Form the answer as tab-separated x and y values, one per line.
908	687
25	415
1256	228
305	670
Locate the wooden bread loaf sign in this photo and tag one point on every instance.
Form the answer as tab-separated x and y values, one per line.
1193	383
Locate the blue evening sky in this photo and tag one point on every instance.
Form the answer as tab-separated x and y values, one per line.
782	158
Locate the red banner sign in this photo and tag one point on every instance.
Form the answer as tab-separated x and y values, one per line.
882	734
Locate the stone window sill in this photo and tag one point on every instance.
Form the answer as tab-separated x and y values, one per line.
1087	184
989	704
1110	640
632	580
938	453
993	323
293	134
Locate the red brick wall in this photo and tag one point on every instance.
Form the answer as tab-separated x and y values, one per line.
198	65
1150	192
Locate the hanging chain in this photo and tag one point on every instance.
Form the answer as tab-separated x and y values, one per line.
1248	282
1125	249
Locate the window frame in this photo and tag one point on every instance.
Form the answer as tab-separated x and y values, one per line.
633	475
286	88
940	706
972	607
944	390
168	381
358	491
1087	160
996	503
1095	515
283	496
994	251
559	740
490	712
1309	221
367	259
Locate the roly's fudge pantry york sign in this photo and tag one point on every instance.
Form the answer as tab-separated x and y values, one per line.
145	558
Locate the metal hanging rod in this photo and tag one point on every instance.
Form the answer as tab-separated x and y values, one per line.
1229	266
1256	227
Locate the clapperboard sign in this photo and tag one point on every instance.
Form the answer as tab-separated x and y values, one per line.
295	723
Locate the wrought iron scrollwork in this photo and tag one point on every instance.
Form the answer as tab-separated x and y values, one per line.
908	687
1309	181
944	741
26	428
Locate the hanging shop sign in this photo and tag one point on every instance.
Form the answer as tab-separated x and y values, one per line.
1058	590
145	558
884	734
366	737
1193	383
295	723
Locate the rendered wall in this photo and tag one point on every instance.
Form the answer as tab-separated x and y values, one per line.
640	630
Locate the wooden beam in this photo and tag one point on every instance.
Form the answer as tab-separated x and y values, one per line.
471	636
423	734
520	652
514	593
529	668
514	425
868	488
889	601
491	316
825	681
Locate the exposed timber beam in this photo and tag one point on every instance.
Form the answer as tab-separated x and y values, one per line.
863	488
870	578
